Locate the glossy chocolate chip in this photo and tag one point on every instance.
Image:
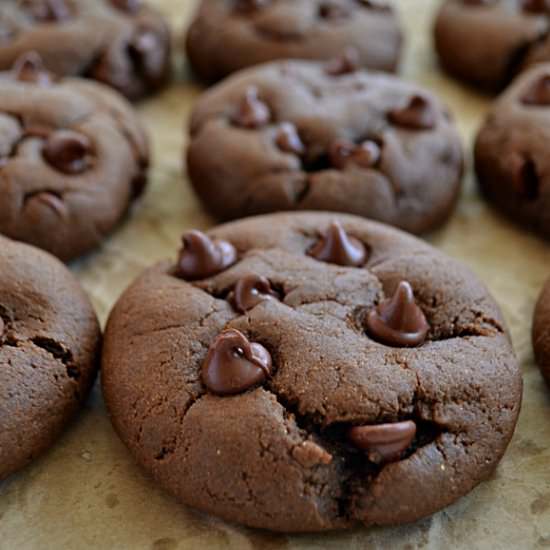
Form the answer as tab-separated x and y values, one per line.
366	154
337	247
381	5
252	112
347	63
384	442
30	68
127	6
288	139
535	6
2	328
69	152
250	291
418	114
234	364
202	257
331	10
47	11
249	6
539	92
398	321
148	55
48	199
525	178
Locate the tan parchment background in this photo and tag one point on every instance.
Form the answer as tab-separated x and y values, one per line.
87	492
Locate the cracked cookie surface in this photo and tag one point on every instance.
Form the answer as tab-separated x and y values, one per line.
49	352
73	157
122	43
511	151
298	135
541	332
322	439
229	35
487	42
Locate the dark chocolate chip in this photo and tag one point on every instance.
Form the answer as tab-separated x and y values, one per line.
525	179
288	139
365	155
535	6
68	151
398	321
380	5
51	200
337	247
539	92
2	328
148	55
234	364
202	257
47	10
418	114
250	291
30	68
250	6
252	112
330	10
384	442
127	6
347	63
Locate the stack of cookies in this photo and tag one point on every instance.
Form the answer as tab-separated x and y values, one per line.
315	366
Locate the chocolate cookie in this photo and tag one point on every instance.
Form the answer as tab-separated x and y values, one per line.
511	151
123	43
304	372
229	35
73	156
541	332
296	135
486	42
49	352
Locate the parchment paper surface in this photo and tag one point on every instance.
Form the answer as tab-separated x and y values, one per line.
87	492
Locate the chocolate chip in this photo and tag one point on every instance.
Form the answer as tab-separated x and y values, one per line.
330	10
525	178
202	257
288	139
337	247
68	151
252	112
250	291
29	67
381	5
48	199
147	54
418	114
536	6
347	63
384	442
249	6
2	328
538	93
234	364
398	321
366	154
127	6
47	10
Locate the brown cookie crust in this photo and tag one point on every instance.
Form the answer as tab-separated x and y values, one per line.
66	211
277	457
224	38
511	154
413	177
107	40
49	352
541	332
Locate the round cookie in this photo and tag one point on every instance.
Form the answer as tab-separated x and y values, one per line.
299	135
486	42
122	43
511	151
311	371
541	332
73	156
229	35
49	352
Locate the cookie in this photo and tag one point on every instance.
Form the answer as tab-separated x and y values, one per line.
541	332
511	151
122	43
73	156
298	135
228	35
311	371
49	352
486	42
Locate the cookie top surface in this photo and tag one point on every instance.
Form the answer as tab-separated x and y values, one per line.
298	135
73	156
486	42
49	351
229	35
541	332
511	152
122	43
264	394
